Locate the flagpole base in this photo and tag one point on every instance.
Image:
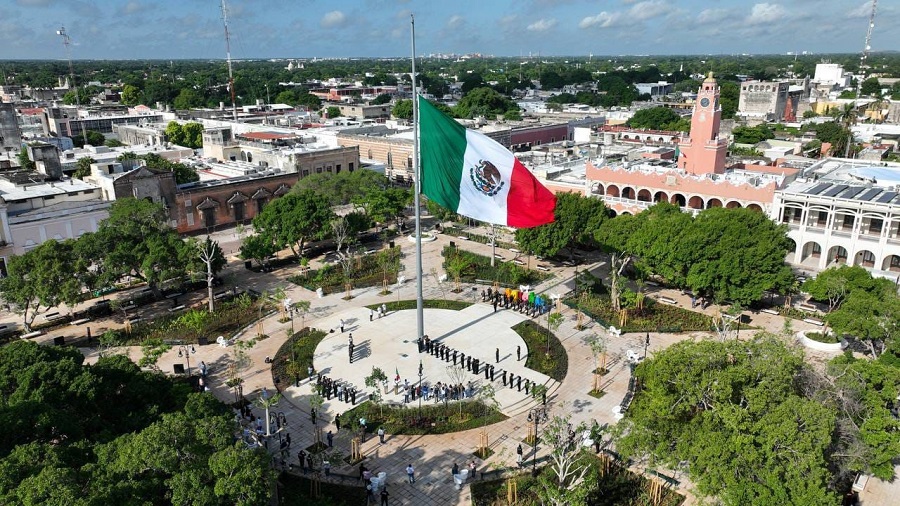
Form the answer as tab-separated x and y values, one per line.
426	237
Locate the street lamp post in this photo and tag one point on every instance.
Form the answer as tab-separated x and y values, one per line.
538	416
186	352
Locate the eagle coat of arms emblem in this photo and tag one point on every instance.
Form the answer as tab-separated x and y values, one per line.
486	178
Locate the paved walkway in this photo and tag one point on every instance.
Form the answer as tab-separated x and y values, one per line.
388	343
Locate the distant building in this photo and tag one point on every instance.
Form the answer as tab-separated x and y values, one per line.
762	101
843	211
657	89
10	134
362	111
65	121
832	75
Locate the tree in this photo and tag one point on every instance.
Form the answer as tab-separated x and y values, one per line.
257	247
375	380
738	418
94	138
751	263
333	112
136	240
344	187
183	173
291	220
24	160
568	482
242	477
871	87
871	316
752	135
654	118
210	254
187	98
551	80
384	98
835	134
309	101
403	109
575	219
43	277
83	167
485	102
554	320
383	206
131	95
193	135
835	283
175	133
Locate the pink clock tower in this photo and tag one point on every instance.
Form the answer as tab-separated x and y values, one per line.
703	152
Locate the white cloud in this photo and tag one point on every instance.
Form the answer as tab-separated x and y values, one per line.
542	25
131	7
333	19
863	11
709	16
648	10
765	13
602	20
456	21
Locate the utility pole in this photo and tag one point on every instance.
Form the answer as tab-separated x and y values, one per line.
68	42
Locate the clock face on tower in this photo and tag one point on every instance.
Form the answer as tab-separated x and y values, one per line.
704	102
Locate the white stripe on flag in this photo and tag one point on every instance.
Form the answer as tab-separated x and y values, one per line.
473	202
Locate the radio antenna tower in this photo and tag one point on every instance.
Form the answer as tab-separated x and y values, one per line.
865	53
862	67
68	43
228	55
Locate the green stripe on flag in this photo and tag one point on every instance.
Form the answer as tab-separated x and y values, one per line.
443	146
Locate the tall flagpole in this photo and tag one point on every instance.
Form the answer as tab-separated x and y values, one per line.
420	320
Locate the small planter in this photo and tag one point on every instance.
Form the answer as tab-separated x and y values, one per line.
817	345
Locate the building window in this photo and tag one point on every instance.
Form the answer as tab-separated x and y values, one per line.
337	169
260	204
875	226
190	219
823	218
350	166
238	211
847	223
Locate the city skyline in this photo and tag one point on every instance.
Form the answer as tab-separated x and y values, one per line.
166	29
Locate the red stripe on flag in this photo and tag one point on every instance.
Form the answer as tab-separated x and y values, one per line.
528	204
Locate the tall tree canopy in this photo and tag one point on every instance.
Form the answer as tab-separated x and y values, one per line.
575	219
113	434
734	412
295	218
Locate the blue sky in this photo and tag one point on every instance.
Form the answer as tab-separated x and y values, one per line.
122	29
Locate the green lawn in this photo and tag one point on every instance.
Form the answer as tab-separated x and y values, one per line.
434	418
556	363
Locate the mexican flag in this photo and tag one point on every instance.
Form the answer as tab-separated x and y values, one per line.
473	175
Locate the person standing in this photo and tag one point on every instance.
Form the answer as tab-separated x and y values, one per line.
520	455
342	325
330	438
455	470
326	466
381	434
410	474
371	314
302	458
497	355
383	308
337	422
384	497
518	353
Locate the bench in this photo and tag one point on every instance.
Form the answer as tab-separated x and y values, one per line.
519	262
543	268
808	307
221	295
222	341
769	311
652	283
514	250
33	334
79	322
667	300
135	320
176	308
464	238
51	316
174	295
814	321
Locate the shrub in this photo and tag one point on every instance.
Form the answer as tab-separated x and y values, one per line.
506	273
556	364
433	419
654	317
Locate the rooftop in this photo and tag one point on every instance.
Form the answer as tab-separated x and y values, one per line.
848	179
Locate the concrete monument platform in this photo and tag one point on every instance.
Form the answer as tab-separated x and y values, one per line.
389	343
